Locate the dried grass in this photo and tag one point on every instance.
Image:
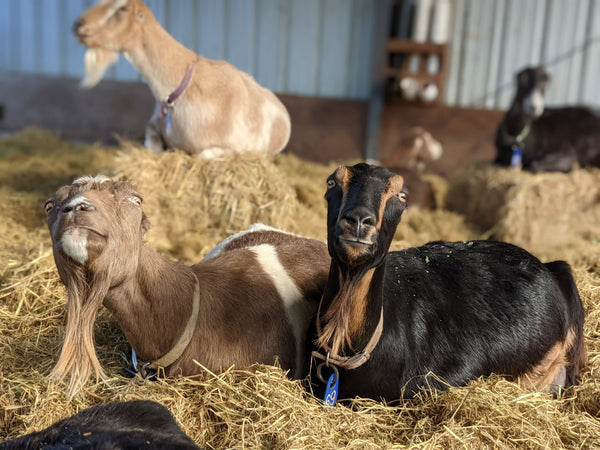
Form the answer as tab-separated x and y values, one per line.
244	409
554	215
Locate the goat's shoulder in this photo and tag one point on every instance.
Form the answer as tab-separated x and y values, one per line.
471	258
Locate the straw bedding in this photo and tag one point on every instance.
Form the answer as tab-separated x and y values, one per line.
193	205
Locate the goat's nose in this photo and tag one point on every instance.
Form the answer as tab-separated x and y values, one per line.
81	206
359	218
79	23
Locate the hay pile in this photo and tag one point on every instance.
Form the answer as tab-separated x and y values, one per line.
192	205
550	214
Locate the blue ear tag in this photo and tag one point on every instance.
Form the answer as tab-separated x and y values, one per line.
516	159
331	391
169	120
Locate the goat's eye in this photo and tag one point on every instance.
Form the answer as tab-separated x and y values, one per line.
330	183
135	200
49	206
403	196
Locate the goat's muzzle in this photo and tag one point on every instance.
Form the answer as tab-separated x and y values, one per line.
78	27
355	236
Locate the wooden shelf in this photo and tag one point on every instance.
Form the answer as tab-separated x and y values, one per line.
423	50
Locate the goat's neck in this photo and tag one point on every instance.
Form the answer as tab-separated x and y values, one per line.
160	59
516	119
351	306
153	305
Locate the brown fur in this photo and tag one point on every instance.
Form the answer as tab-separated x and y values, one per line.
242	317
223	110
417	148
550	371
345	316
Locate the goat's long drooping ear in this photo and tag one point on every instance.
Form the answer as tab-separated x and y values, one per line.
97	61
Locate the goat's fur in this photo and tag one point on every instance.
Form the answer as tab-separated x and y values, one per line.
551	139
223	110
257	293
455	310
416	149
119	425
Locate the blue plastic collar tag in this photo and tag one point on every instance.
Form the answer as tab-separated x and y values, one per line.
331	391
169	122
133	363
516	159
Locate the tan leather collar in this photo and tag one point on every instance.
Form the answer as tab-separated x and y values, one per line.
351	362
173	355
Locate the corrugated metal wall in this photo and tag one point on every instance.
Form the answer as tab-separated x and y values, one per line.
305	47
493	39
325	47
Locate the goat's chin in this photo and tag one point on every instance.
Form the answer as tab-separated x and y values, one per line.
81	245
354	253
74	244
96	62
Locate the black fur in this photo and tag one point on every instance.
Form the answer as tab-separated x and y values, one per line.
558	139
458	310
111	426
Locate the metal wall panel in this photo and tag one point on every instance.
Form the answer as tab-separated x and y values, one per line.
493	39
325	47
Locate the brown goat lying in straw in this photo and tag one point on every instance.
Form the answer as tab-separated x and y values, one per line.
205	107
249	301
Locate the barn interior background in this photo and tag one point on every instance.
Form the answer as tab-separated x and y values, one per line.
326	58
337	66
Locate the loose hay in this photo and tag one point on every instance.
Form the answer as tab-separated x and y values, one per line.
193	204
550	214
244	409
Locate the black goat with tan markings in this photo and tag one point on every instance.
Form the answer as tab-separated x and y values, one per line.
455	310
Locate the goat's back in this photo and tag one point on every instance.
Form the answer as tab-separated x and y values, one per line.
126	425
460	311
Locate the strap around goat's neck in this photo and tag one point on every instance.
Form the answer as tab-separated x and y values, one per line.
168	103
173	355
519	138
351	362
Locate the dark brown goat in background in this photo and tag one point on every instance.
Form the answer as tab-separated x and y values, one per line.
546	139
251	301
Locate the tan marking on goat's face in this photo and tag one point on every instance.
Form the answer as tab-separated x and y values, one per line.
550	371
112	25
394	188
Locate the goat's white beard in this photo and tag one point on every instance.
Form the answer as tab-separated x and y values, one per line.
96	62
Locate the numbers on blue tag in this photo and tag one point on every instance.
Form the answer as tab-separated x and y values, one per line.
331	391
516	159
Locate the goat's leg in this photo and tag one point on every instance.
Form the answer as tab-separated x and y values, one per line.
153	139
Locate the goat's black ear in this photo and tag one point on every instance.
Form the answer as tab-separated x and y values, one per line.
523	79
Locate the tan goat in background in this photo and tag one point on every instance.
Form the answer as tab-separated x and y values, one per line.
205	107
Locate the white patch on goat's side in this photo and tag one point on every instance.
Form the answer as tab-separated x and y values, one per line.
296	308
218	249
74	243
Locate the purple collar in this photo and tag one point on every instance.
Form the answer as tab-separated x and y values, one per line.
168	103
